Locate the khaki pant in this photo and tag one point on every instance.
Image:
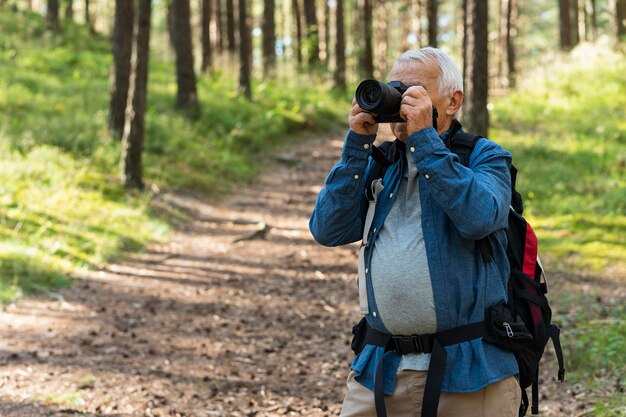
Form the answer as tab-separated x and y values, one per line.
500	399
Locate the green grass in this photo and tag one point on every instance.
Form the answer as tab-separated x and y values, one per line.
567	132
566	129
62	206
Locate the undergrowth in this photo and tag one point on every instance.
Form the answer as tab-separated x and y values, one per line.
62	206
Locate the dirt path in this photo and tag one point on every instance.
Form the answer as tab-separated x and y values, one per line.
205	325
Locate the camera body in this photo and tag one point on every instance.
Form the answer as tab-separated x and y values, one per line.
384	100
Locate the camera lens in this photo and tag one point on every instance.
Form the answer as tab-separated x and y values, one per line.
377	97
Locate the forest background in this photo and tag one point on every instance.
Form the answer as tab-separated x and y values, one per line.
216	87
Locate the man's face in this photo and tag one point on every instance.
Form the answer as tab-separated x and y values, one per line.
426	75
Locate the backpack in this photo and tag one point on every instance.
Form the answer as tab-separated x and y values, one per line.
522	325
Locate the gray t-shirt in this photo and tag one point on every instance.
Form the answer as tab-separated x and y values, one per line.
400	276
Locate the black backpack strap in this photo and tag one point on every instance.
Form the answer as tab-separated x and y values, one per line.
439	358
383	157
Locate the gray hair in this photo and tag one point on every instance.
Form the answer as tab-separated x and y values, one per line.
450	78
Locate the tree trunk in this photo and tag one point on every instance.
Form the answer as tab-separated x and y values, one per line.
230	26
120	77
575	17
297	15
245	50
326	43
340	47
187	96
52	16
366	60
565	25
416	22
511	34
219	27
583	32
476	117
620	20
594	20
69	9
207	53
312	33
432	11
269	38
88	21
134	128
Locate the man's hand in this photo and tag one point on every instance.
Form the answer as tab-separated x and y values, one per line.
417	109
360	121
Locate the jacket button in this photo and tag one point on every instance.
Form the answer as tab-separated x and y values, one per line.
427	176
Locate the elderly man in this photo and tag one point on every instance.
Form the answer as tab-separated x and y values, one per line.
421	270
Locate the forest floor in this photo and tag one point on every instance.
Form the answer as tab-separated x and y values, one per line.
240	314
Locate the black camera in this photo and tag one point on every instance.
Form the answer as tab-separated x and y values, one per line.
384	100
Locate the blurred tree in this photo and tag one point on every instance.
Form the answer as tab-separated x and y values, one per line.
574	19
187	95
134	128
340	47
620	20
583	32
245	50
230	26
565	25
298	44
593	19
312	33
52	16
366	58
326	43
120	75
475	115
219	27
88	21
269	38
69	9
432	7
206	15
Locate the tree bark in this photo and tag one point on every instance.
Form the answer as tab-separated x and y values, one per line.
620	20
120	76
230	26
69	9
219	32
134	128
366	59
340	47
52	16
245	50
583	31
575	17
476	116
298	17
594	20
187	96
433	11
565	33
269	38
312	33
326	43
207	53
511	34
88	21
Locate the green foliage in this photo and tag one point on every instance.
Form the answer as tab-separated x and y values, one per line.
567	131
62	205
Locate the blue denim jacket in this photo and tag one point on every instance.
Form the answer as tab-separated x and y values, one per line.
459	206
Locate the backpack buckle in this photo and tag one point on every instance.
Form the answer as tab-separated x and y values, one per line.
406	344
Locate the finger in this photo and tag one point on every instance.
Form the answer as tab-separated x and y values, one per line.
365	118
415	91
